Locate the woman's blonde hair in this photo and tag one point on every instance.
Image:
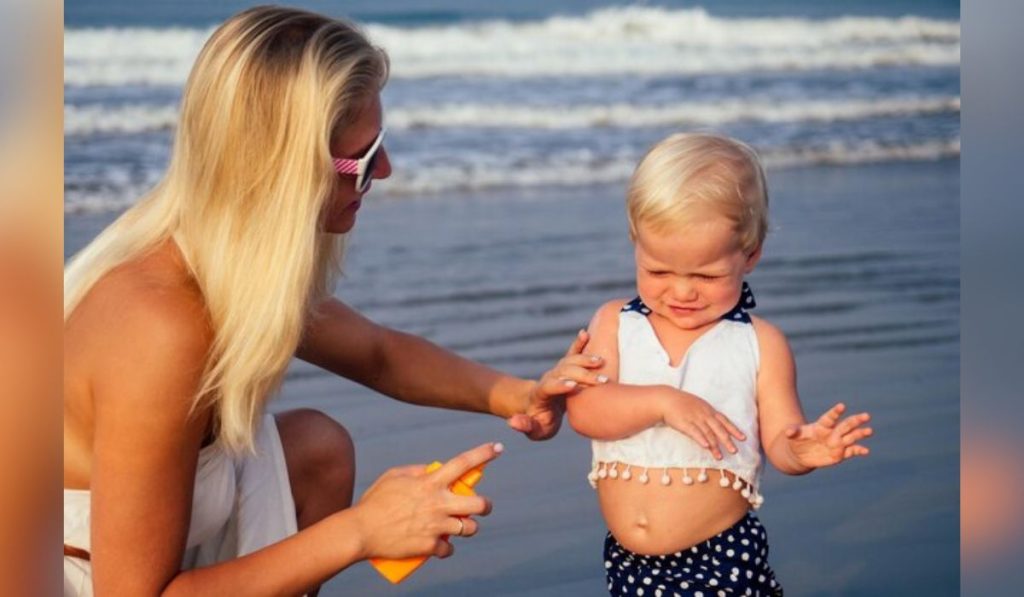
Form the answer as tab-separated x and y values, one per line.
689	175
244	194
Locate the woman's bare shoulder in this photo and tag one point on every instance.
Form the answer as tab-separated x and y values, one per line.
142	312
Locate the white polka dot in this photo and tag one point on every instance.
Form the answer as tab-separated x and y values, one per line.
607	565
657	593
721	594
698	594
760	578
750	574
730	553
735	570
713	582
745	556
639	591
745	541
656	571
685	585
647	581
718	548
730	539
630	578
689	560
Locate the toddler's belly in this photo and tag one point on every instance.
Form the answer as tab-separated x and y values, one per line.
654	519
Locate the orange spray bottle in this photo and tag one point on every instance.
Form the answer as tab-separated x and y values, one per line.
398	570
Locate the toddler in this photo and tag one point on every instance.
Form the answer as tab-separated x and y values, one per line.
698	390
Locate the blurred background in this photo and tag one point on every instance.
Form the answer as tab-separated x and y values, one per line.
513	130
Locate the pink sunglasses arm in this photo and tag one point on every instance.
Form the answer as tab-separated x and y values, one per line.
346	166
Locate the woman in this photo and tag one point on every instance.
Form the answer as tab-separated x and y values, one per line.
181	317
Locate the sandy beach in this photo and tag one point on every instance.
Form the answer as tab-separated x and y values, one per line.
861	270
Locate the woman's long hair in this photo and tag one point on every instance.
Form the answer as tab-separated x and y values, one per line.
244	195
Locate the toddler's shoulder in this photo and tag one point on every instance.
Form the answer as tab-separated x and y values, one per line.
606	318
763	327
611	308
770	339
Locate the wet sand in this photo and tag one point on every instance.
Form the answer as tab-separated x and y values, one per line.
861	270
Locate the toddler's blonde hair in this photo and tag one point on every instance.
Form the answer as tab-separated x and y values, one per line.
690	175
245	194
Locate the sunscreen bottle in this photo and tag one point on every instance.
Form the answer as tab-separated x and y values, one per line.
397	570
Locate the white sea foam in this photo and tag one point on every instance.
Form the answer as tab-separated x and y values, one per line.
125	119
613	41
577	168
139	118
686	113
134	55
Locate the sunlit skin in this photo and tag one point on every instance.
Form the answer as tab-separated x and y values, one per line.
356	140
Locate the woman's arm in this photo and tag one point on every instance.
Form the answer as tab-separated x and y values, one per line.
403	514
416	371
791	444
145	451
145	443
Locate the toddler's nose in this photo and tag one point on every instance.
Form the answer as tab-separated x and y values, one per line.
684	290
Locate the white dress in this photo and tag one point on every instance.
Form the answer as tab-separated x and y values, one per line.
240	505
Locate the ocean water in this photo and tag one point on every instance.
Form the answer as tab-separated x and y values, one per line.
492	96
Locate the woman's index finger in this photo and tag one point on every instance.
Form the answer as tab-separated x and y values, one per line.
578	343
454	469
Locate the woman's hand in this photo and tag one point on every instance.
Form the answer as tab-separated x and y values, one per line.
695	418
546	399
407	511
828	440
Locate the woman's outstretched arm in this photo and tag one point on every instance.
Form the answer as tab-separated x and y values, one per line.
414	370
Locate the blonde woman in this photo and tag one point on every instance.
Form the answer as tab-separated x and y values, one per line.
181	317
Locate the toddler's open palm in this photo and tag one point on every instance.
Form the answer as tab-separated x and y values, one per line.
829	440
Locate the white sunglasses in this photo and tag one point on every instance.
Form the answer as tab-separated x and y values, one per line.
361	168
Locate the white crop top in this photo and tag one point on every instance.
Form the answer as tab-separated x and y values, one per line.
721	367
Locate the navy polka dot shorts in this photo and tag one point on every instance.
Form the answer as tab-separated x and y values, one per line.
733	562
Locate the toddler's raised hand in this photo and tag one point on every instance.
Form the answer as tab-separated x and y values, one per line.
691	415
828	440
